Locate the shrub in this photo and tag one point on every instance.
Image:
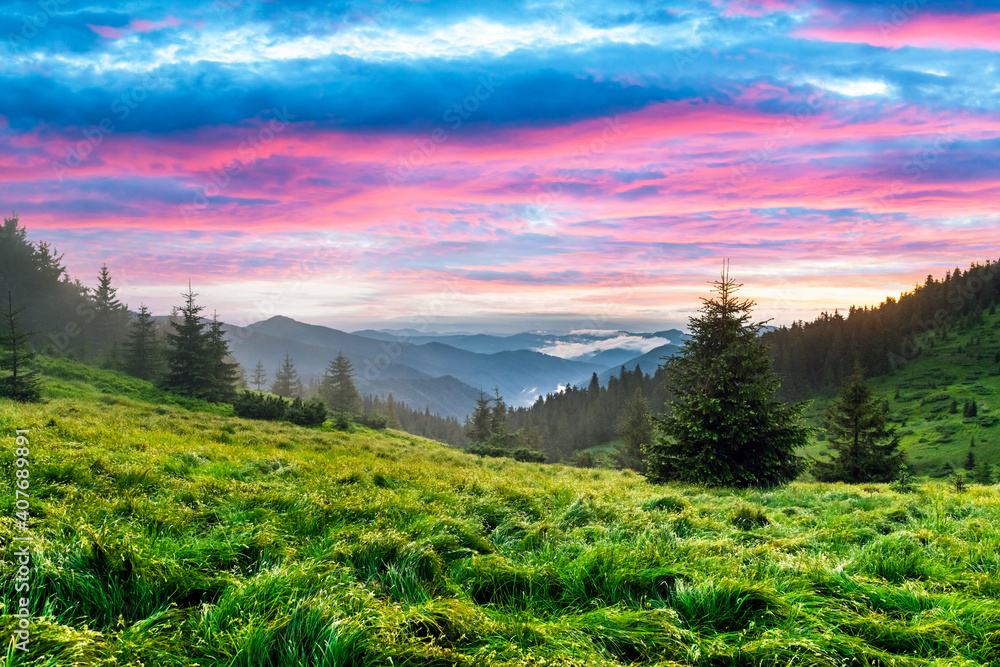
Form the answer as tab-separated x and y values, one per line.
372	420
301	413
528	455
257	405
341	421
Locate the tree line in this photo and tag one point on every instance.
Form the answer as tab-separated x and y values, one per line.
188	354
815	357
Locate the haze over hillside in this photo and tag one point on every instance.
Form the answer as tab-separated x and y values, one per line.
444	372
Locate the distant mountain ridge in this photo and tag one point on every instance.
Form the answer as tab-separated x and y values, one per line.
445	372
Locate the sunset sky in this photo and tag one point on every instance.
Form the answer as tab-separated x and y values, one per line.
503	165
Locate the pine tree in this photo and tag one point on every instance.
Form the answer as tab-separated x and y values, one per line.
286	380
338	389
856	427
258	376
187	370
635	428
143	351
16	356
477	428
223	373
726	429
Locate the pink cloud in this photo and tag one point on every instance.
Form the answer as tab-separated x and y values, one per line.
106	31
922	30
134	26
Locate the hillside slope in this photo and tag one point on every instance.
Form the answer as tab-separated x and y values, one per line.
170	535
962	365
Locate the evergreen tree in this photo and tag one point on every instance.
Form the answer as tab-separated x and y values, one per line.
478	427
16	356
499	433
286	380
143	351
970	460
186	353
258	376
223	373
856	427
61	310
984	473
595	383
338	389
726	429
111	320
635	428
243	381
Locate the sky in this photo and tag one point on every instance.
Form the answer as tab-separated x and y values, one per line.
503	165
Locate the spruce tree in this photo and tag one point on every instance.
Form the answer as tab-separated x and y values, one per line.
865	448
338	389
223	373
187	370
635	428
726	428
16	356
143	351
970	460
286	380
983	473
111	320
258	376
499	433
477	428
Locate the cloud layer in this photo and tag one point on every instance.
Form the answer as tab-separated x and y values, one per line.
351	163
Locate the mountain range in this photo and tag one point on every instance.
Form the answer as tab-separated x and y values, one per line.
446	372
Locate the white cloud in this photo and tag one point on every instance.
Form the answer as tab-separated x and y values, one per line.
572	350
853	88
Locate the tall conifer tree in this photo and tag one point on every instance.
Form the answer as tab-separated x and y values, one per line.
16	356
725	428
187	373
286	381
865	448
143	350
338	389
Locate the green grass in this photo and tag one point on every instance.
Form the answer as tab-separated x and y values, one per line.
170	534
960	368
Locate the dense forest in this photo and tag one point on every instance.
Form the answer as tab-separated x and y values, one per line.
577	418
815	357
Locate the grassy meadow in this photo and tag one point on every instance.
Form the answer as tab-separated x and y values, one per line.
958	367
170	533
